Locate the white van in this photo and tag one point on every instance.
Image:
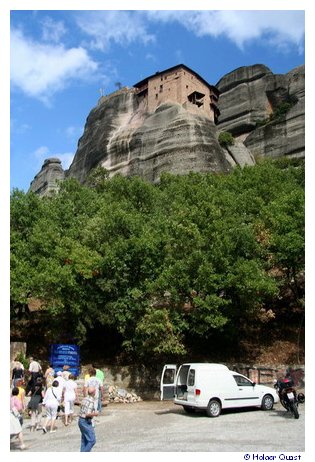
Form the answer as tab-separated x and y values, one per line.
213	387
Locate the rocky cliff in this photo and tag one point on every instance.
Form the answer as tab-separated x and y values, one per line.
121	136
124	138
265	110
46	181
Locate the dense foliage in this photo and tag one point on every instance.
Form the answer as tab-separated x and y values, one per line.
160	264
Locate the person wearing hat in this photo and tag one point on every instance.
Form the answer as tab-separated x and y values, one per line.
86	414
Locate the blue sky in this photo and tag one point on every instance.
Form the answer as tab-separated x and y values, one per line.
61	60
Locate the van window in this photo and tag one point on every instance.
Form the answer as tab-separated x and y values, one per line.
242	381
169	376
191	378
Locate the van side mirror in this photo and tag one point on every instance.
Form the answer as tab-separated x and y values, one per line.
253	383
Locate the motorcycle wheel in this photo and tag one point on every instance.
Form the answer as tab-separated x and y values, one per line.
295	411
285	404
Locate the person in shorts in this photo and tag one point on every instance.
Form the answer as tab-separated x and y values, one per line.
51	402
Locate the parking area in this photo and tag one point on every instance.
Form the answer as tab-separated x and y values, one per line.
155	426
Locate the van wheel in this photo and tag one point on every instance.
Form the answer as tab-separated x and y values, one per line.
213	408
267	403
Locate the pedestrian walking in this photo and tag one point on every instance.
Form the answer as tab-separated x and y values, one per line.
16	405
96	383
17	372
21	394
35	403
86	424
49	376
16	430
51	403
65	372
99	374
35	369
69	398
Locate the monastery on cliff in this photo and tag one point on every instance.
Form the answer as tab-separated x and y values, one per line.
178	84
182	85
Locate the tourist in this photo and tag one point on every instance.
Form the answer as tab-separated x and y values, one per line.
35	405
16	405
86	414
65	372
17	372
35	369
94	382
51	402
59	389
16	429
49	376
99	375
21	394
70	396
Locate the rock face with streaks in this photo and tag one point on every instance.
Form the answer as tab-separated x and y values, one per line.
123	137
46	181
250	95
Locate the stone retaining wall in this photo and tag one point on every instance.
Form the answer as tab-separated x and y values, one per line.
145	381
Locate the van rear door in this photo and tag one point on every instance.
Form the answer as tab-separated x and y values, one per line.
167	385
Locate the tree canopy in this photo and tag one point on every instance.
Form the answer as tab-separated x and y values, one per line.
160	264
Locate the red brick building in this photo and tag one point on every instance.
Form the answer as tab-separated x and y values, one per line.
181	85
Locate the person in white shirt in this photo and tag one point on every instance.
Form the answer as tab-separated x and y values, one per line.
69	397
35	370
51	402
61	381
65	372
94	382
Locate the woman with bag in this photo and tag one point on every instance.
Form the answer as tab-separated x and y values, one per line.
70	396
35	404
51	402
16	405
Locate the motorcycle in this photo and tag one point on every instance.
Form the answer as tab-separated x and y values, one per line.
288	396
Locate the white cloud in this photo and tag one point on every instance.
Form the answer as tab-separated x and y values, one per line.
279	28
66	159
41	70
52	31
43	152
122	27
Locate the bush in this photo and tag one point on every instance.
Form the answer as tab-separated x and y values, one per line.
23	359
226	139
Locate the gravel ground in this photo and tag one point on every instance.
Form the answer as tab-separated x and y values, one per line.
155	426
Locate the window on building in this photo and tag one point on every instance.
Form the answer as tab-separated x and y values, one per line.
161	88
156	96
196	98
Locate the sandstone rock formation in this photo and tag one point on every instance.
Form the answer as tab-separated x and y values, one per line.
249	95
46	181
123	137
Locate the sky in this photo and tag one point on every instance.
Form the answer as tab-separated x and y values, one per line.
63	60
